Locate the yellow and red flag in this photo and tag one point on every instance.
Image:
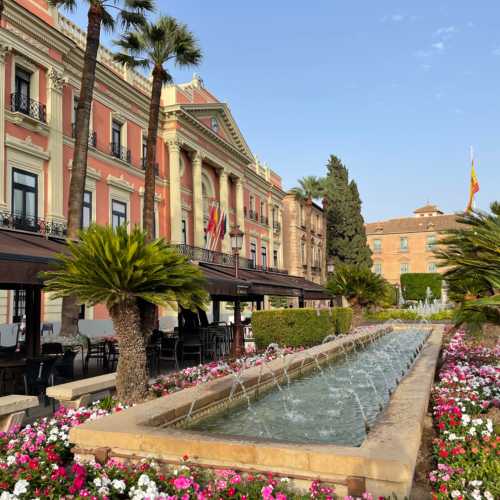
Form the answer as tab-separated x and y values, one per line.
474	187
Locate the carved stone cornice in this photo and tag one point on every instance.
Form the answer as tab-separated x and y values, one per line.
4	50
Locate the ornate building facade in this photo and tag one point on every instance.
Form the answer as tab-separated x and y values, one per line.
406	245
202	157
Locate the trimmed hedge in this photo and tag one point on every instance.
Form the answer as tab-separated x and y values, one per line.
298	327
414	285
406	315
343	320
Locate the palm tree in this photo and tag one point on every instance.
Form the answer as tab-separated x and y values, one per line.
309	188
153	46
130	13
118	269
471	254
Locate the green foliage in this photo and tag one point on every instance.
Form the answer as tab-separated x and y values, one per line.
414	285
296	327
309	188
390	298
471	255
407	315
343	319
112	266
107	403
154	44
346	235
359	285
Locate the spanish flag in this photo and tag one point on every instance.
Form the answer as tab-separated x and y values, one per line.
474	187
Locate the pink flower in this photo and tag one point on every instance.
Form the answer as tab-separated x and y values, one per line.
267	492
182	483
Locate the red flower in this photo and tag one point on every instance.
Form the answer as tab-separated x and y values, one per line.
231	491
441	426
443	488
443	453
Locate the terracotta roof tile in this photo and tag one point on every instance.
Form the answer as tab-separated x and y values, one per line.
427	209
413	225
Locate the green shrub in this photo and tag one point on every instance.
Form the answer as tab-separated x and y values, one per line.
445	315
388	314
293	327
343	320
414	285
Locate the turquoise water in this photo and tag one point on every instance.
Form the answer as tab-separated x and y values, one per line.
334	405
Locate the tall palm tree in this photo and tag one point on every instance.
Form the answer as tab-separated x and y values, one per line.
471	254
309	188
101	14
152	46
119	269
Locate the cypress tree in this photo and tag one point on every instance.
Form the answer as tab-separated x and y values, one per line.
346	235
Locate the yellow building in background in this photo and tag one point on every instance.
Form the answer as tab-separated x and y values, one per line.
406	245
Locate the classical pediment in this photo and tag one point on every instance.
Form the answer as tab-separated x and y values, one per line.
217	118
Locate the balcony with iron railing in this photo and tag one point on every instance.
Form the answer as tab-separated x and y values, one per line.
277	227
92	136
21	103
120	152
251	214
22	222
223	259
156	166
264	220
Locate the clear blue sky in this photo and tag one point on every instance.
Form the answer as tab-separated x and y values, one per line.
399	90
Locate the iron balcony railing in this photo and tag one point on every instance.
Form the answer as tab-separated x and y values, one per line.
23	104
277	227
22	222
264	220
223	259
120	152
156	166
92	136
252	215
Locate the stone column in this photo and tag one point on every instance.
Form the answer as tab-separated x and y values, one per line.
55	209
175	191
223	197
240	214
199	237
3	54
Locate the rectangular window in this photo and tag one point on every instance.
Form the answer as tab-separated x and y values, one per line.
263	255
404	268
24	198
19	304
87	209
184	232
22	89
116	138
303	252
377	268
431	267
403	244
252	203
275	259
377	246
118	213
431	242
253	253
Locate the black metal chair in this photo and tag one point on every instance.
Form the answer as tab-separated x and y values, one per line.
168	351
113	352
38	375
95	351
47	329
65	366
192	347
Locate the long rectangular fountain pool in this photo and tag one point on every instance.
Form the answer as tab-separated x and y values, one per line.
335	404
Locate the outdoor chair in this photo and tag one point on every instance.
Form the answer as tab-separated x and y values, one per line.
112	356
168	351
47	329
65	366
192	347
38	375
95	351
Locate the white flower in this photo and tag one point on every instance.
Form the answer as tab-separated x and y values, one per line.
118	485
21	487
7	496
475	483
488	495
11	459
143	480
98	482
455	494
476	495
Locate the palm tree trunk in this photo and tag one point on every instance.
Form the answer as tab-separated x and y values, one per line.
69	312
149	311
131	376
308	236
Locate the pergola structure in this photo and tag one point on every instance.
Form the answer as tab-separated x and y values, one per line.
23	256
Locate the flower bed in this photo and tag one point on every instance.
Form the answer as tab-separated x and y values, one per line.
467	447
36	461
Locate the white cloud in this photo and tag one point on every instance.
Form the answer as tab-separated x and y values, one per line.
439	46
394	18
496	51
445	33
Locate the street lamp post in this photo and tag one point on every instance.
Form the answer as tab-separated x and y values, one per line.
236	235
